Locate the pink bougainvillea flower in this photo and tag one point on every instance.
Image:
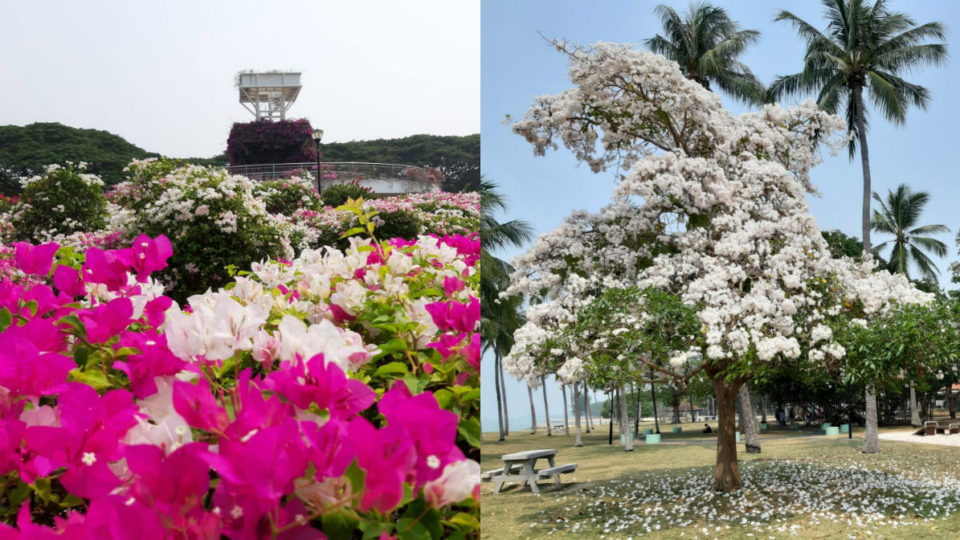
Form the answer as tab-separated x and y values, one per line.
35	259
11	435
387	455
156	309
87	440
153	360
174	486
148	255
68	280
432	430
44	334
473	352
447	344
329	449
24	371
107	320
453	315
197	406
323	383
452	285
114	517
107	267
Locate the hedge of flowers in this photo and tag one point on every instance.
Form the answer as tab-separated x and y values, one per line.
215	220
264	141
329	395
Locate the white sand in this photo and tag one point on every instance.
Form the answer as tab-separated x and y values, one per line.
908	436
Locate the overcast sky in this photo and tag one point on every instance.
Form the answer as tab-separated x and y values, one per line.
519	65
160	74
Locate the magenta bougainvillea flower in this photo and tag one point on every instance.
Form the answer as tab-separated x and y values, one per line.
35	259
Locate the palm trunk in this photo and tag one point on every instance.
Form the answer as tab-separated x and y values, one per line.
865	163
506	413
533	411
749	422
546	408
914	413
576	414
726	475
625	422
871	442
496	381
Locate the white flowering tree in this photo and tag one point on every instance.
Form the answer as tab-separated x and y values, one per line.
710	208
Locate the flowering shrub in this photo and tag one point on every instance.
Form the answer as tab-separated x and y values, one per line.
311	398
288	195
214	220
263	141
62	201
338	194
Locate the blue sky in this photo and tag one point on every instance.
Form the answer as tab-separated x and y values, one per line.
517	65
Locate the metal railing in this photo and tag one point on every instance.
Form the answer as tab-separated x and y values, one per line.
331	172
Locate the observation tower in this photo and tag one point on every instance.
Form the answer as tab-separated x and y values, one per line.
268	94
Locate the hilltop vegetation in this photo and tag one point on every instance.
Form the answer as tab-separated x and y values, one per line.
26	150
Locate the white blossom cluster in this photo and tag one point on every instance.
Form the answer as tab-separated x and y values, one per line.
711	209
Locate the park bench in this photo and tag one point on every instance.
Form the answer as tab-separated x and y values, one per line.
490	474
930	428
555	472
954	427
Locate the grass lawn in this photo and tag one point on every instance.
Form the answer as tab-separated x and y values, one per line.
799	486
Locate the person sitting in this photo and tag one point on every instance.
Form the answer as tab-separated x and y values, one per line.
707	429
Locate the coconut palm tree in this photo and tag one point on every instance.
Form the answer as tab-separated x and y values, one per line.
500	318
898	216
706	44
866	47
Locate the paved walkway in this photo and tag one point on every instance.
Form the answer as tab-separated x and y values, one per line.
908	436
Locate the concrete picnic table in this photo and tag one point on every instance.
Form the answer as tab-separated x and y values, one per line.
526	472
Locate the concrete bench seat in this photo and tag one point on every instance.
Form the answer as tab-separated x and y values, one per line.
555	472
490	474
954	428
930	428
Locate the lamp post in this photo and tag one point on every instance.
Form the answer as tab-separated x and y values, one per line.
317	135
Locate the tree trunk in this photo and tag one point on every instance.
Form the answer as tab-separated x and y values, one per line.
586	406
675	403
656	418
506	413
610	427
865	163
763	408
566	419
749	422
914	414
871	442
952	403
726	475
546	408
496	383
533	411
576	414
625	422
636	421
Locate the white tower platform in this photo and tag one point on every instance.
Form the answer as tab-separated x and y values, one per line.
268	94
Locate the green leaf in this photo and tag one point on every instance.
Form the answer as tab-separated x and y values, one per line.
393	368
410	529
92	377
351	232
6	318
464	520
338	524
469	428
356	476
392	346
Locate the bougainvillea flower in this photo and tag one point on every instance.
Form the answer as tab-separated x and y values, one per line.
87	440
44	334
68	280
35	259
172	485
24	371
387	455
458	481
453	315
107	320
323	383
154	360
11	435
329	449
148	255
155	310
107	267
452	285
197	406
431	429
